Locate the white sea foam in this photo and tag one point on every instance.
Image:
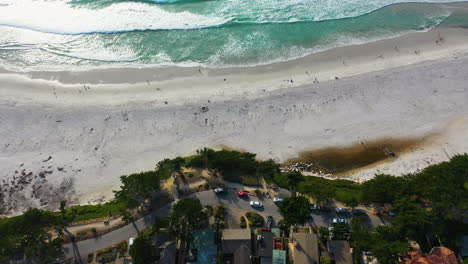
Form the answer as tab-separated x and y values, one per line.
59	16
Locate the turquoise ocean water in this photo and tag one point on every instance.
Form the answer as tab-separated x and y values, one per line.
83	34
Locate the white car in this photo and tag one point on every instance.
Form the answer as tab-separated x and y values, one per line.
277	200
130	241
218	190
339	220
256	204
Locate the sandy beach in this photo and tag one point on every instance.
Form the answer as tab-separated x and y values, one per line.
71	135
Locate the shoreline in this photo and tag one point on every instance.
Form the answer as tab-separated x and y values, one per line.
120	86
74	143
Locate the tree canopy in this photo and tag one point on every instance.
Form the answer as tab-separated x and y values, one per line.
187	215
295	210
29	233
142	251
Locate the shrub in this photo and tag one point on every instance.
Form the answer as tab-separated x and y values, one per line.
256	219
243	224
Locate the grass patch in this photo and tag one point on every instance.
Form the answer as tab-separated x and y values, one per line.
87	212
323	189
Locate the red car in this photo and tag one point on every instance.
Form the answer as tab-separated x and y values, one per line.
242	194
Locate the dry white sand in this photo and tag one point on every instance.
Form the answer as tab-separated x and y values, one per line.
59	140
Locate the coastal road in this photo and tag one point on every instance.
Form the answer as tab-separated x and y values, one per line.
236	207
81	249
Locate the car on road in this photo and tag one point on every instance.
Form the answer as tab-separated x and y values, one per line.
277	200
339	220
242	194
130	241
256	204
218	190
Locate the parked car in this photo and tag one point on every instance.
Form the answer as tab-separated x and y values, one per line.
314	207
340	210
219	190
339	220
130	241
256	204
242	194
277	200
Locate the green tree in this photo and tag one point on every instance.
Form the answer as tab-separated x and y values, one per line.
352	202
295	210
388	246
294	178
412	221
340	231
360	238
126	216
138	187
142	251
30	233
320	191
383	189
324	235
187	215
170	166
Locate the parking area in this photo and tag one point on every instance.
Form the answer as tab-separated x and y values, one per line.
238	206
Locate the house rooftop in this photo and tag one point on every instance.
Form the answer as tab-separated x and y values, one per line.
236	234
305	248
340	251
237	242
263	244
438	255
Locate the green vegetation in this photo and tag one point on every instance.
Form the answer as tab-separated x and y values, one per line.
137	188
142	251
29	233
187	215
293	179
324	190
243	223
108	255
86	212
255	219
429	205
235	166
295	210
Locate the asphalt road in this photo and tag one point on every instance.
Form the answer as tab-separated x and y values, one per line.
236	208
